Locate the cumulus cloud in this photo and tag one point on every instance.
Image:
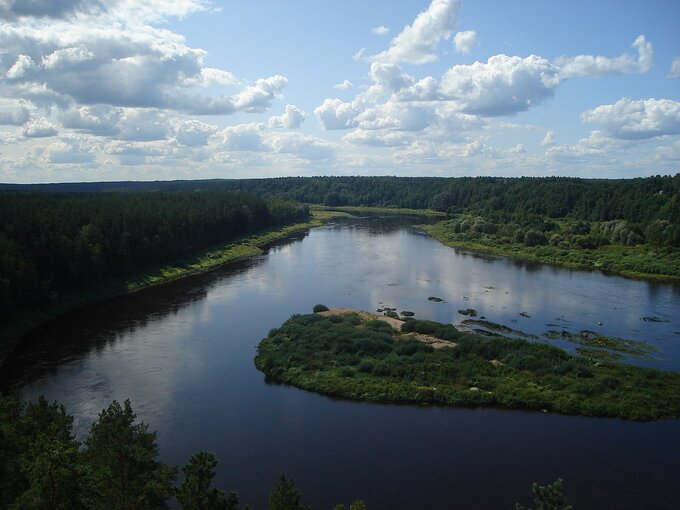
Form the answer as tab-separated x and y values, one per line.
14	114
336	114
548	139
291	118
96	120
637	120
344	85
589	65
381	30
68	152
120	61
10	9
502	86
464	41
675	68
258	97
243	137
39	128
192	133
418	42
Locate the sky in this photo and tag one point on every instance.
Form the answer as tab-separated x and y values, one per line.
102	90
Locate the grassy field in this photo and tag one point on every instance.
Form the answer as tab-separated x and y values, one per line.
361	358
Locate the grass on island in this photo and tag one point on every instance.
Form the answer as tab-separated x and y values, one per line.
22	323
635	261
359	357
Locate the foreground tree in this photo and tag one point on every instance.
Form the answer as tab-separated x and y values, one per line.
121	464
286	496
548	497
195	492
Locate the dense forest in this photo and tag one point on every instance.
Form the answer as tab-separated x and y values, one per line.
51	243
650	205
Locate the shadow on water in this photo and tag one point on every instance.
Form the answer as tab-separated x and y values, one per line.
87	330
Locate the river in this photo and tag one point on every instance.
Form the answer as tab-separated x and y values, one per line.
183	354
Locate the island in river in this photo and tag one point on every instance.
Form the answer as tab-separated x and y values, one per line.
361	356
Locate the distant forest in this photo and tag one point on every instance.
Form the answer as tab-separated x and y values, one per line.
55	242
59	237
640	201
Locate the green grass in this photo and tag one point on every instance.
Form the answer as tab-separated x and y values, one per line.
640	261
366	360
22	323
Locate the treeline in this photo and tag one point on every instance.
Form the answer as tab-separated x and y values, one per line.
115	468
51	243
650	202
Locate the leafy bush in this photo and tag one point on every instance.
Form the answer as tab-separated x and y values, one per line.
320	308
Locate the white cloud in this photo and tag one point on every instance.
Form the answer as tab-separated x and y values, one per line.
243	137
502	86
464	41
98	119
336	114
12	114
258	97
192	133
636	120
291	118
120	61
418	42
589	65
675	68
519	149
344	85
396	116
142	125
381	30
68	152
549	138
210	76
39	128
21	67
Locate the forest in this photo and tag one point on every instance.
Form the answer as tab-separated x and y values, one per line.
650	205
52	243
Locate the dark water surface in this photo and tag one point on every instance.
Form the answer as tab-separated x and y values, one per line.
183	354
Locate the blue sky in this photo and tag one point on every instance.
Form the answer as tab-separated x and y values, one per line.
166	89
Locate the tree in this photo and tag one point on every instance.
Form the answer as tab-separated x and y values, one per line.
195	492
120	461
548	497
285	496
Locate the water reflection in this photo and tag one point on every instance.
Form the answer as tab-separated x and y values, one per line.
183	354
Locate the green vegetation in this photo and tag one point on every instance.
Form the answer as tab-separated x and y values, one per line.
471	312
365	359
22	318
320	308
42	466
548	497
590	339
613	246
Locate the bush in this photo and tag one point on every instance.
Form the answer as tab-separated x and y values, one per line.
320	308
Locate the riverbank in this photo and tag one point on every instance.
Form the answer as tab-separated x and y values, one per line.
358	357
640	261
378	210
13	331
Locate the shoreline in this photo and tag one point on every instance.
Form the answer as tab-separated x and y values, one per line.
13	332
481	248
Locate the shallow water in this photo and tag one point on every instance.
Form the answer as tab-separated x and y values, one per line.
182	353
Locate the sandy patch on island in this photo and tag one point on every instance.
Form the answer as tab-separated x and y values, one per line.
433	342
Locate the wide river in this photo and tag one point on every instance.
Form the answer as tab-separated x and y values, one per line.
183	354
